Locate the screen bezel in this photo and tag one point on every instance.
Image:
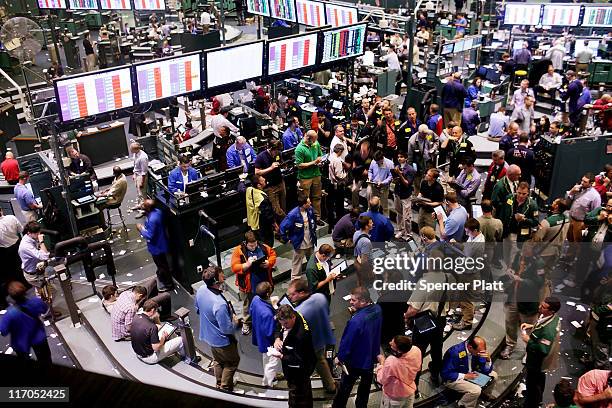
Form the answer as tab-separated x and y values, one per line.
282	18
322	38
155	61
258	13
344	7
308	25
139	9
85	74
110	9
578	20
69	6
289	37
205	53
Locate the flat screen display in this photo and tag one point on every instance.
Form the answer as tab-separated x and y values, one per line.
149	5
459	46
344	42
477	41
91	94
338	16
556	15
169	77
292	53
597	16
447	48
523	14
283	10
260	7
115	4
83	4
219	72
310	13
52	4
467	44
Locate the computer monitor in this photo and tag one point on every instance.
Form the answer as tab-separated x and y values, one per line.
310	13
561	15
581	44
214	179
522	14
260	7
149	5
283	10
517	44
468	43
338	16
248	126
233	173
447	49
52	4
115	4
292	53
83	4
288	154
195	186
219	72
597	16
345	42
459	46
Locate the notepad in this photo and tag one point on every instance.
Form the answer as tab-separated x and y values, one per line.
482	380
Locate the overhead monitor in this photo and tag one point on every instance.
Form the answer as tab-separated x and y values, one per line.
558	15
459	46
292	53
310	13
338	16
91	94
83	4
115	4
168	77
581	44
522	14
283	10
260	7
477	41
447	49
597	16
220	72
52	4
144	5
343	42
468	43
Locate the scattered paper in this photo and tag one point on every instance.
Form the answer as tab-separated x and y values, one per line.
102	276
47	323
580	308
122	252
129	274
53	335
93	299
570	303
576	324
3	311
9	351
347	297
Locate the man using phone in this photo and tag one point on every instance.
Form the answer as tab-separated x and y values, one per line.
462	365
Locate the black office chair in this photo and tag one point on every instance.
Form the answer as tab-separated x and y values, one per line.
109	217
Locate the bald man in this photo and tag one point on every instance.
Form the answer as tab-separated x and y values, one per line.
459	151
10	169
463	363
141	169
505	186
116	192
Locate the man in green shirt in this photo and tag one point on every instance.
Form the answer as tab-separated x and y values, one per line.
542	349
308	157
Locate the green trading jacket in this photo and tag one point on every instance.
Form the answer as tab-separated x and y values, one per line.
592	223
543	344
509	208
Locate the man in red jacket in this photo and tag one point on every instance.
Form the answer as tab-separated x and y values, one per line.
10	169
496	171
252	262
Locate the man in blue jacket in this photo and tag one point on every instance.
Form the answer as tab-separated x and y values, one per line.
383	228
359	349
264	327
299	227
181	175
453	97
218	322
461	364
154	232
240	154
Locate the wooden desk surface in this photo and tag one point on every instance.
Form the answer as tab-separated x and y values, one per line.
85	133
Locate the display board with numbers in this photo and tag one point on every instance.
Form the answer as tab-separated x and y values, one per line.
283	10
52	4
597	16
560	15
292	53
115	4
311	13
219	72
261	7
338	16
344	42
168	77
522	14
149	5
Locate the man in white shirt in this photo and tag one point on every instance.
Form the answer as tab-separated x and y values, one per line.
368	58
10	234
340	138
392	60
498	123
141	169
583	59
550	82
518	98
556	55
220	120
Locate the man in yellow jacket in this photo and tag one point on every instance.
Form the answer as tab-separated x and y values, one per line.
260	213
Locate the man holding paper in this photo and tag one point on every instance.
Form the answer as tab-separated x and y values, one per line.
467	368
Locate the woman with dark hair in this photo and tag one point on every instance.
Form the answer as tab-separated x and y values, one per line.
473	91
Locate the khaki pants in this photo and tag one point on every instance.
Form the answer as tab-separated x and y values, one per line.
323	370
312	189
225	364
471	392
298	259
278	197
514	319
31	215
426	219
169	348
355	190
452	114
90	62
387	402
403	209
574	236
141	187
381	192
